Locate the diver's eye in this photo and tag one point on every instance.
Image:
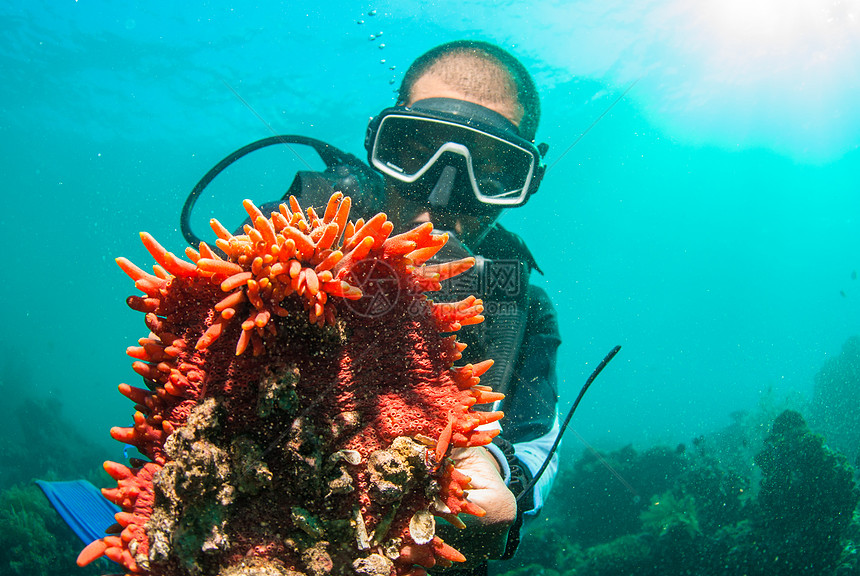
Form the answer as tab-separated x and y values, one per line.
489	169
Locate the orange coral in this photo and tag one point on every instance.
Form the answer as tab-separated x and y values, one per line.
327	444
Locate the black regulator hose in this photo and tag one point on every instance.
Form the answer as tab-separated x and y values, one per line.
555	444
330	155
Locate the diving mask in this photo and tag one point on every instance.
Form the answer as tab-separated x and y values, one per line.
440	139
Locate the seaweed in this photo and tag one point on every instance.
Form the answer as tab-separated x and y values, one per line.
794	511
806	501
607	492
34	540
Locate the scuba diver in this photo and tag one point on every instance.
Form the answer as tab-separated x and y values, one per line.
456	150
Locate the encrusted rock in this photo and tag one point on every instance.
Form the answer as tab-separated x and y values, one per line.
256	566
344	423
373	565
342	483
318	560
274	387
390	475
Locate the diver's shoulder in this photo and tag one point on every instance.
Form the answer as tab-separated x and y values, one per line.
502	244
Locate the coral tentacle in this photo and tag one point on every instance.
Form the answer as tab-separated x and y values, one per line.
332	206
93	551
131	270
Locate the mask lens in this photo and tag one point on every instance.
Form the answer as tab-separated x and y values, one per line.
404	145
503	173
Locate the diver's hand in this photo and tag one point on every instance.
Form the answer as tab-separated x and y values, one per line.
484	536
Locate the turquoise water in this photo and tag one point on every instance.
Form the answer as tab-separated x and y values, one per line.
709	222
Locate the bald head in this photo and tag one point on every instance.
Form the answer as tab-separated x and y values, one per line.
472	77
479	72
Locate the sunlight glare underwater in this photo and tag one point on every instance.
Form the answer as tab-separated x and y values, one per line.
780	74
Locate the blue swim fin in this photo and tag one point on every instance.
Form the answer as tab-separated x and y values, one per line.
82	506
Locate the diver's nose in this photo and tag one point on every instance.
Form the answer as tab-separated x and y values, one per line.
441	193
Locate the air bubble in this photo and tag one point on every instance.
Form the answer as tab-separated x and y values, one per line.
359	21
372	13
381	46
372	37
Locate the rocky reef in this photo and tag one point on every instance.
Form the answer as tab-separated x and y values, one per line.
806	500
837	395
300	403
